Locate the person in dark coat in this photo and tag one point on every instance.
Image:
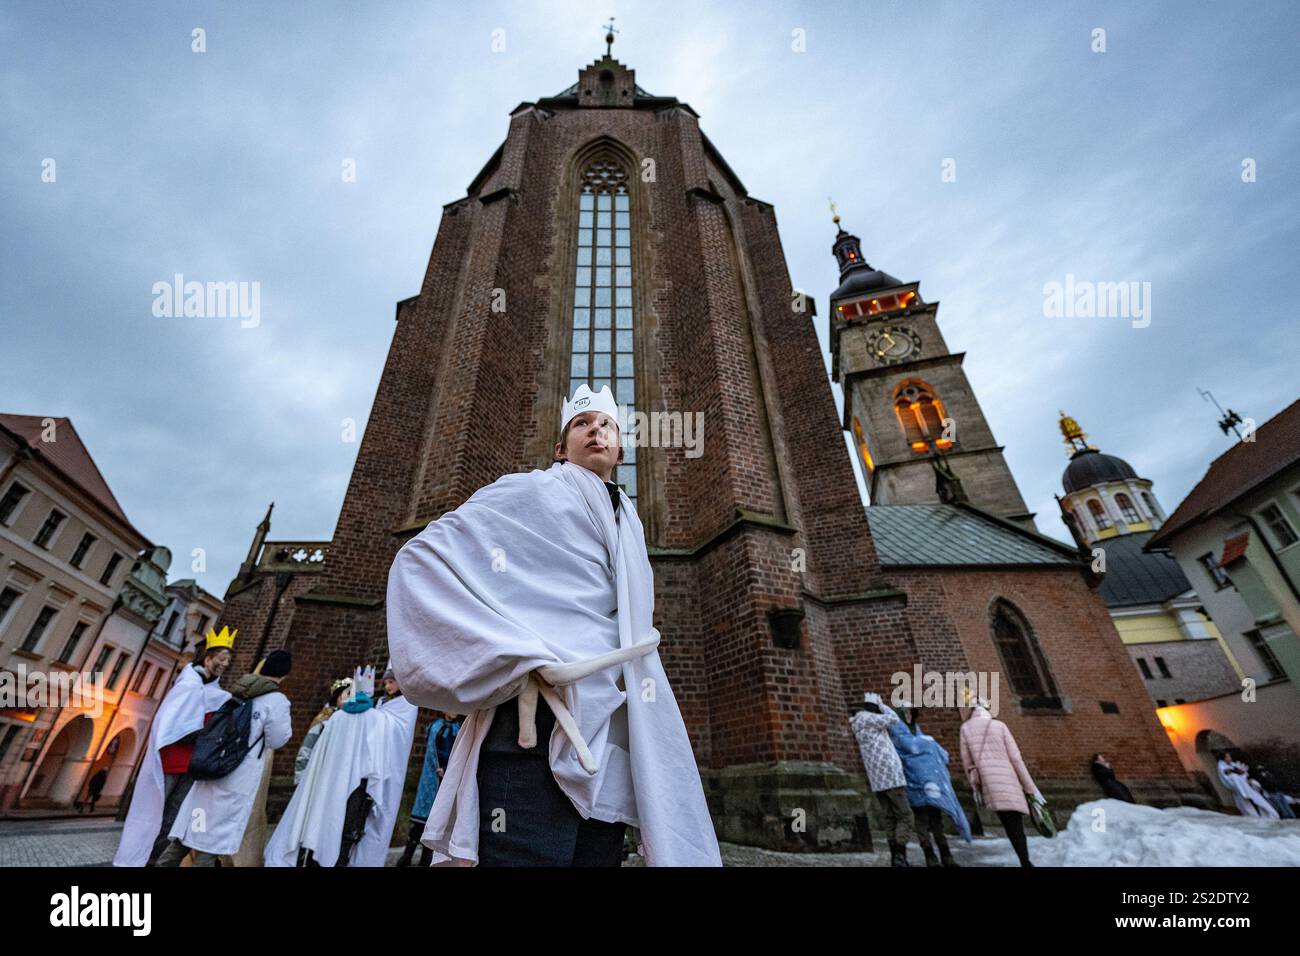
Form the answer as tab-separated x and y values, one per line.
1104	774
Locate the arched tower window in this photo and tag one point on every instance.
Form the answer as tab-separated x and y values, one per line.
921	416
868	465
1026	667
1126	508
1150	502
602	295
1099	516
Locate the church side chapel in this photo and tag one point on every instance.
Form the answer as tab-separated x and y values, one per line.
629	253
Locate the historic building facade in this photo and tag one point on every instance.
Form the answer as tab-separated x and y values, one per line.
607	241
80	589
1112	514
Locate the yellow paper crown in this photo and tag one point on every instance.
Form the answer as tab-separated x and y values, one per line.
225	639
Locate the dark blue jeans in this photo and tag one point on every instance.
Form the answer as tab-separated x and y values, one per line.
524	817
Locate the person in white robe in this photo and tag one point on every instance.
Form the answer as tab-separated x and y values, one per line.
196	693
1236	777
360	742
540	583
215	814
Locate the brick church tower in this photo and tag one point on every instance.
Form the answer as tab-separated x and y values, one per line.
607	241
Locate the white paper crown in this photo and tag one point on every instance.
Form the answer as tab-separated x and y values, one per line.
585	400
363	681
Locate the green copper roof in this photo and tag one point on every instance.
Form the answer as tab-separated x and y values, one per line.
949	535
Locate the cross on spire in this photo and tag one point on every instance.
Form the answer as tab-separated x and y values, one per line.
609	36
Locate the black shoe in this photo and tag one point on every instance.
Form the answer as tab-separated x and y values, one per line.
930	858
946	858
898	855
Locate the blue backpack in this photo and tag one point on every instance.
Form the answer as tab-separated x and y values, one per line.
222	745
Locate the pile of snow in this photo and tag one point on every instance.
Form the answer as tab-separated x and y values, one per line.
1115	833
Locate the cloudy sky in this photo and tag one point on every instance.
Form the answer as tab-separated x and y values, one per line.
1122	165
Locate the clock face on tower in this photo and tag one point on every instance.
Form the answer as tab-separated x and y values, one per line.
891	344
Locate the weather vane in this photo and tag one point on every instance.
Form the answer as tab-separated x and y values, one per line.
835	216
609	36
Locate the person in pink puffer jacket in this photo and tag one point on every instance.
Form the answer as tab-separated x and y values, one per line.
998	774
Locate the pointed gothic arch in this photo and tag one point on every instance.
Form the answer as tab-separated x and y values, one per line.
595	340
921	415
1023	663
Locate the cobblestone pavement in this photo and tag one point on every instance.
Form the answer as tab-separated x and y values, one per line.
68	842
92	842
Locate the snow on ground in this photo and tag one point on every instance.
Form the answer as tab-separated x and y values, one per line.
1114	833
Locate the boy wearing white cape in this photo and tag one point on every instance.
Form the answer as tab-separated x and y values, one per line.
361	745
529	609
162	785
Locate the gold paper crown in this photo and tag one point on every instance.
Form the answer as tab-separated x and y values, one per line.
225	639
341	682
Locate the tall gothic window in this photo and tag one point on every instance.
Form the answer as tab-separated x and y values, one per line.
1026	668
602	296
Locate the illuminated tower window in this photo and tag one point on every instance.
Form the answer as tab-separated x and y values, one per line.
921	417
602	297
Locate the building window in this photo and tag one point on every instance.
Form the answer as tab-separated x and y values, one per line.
9	503
1145	668
109	568
1022	658
7	739
602	344
1215	570
117	670
171	623
202	629
1164	668
139	678
1099	516
101	662
1266	656
1150	502
1160	703
37	630
921	416
1278	524
70	645
52	522
153	686
7	598
1126	508
83	548
1180	700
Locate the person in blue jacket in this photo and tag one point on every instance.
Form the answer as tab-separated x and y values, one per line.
437	751
929	787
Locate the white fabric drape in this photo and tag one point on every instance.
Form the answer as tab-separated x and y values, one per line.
533	571
179	715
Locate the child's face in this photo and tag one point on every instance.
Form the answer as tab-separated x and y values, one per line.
591	440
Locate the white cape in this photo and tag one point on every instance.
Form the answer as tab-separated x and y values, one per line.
374	744
1250	802
216	812
179	715
533	570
